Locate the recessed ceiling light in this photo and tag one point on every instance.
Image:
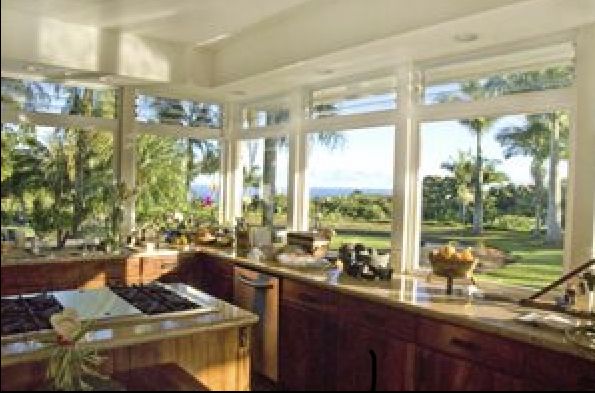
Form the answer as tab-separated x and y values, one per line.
466	37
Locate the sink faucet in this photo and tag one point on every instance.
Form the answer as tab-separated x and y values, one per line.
587	289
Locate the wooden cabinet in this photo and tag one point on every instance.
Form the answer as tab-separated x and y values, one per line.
57	276
216	277
495	352
370	361
375	348
308	338
439	371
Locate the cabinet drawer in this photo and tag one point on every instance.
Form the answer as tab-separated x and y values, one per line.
479	347
377	316
308	296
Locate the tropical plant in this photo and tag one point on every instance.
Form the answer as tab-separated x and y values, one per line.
465	170
542	137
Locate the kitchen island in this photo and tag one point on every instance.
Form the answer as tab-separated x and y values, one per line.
211	344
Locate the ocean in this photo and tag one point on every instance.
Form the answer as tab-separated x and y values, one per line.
202	191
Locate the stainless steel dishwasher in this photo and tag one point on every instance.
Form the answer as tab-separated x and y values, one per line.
259	293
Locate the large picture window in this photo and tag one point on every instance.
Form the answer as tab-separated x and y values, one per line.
498	185
56	182
350	175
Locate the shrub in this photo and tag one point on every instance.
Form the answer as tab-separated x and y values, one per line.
513	222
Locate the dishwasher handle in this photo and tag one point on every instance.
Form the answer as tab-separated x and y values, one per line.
254	283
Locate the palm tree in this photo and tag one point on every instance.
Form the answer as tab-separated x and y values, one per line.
478	127
556	129
540	138
475	89
464	169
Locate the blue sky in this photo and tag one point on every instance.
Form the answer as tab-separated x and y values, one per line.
366	158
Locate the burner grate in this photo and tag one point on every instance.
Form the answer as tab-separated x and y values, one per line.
27	314
154	299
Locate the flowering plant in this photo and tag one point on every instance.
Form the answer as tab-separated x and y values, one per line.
70	363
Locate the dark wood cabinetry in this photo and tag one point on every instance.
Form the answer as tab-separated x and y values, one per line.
56	276
370	361
215	277
308	338
438	371
375	348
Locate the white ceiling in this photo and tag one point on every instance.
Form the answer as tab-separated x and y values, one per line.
188	21
266	47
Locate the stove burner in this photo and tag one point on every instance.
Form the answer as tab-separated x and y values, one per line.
27	314
154	299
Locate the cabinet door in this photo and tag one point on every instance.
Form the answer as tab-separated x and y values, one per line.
217	279
370	361
437	371
307	350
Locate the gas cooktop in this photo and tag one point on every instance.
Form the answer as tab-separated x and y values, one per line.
31	313
26	314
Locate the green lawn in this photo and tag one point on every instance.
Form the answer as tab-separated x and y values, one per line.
536	263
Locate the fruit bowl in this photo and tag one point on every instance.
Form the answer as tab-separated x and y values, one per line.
446	262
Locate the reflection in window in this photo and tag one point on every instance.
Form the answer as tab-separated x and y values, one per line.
499	187
47	97
350	174
56	182
176	176
354	98
177	112
498	85
264	168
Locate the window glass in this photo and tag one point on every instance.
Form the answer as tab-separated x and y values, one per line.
256	116
56	181
178	112
354	98
499	84
177	177
47	97
498	186
265	162
350	175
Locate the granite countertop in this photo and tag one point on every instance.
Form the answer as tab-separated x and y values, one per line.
496	313
132	330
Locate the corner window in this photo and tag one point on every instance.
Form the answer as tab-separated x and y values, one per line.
177	176
264	164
